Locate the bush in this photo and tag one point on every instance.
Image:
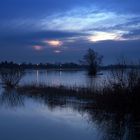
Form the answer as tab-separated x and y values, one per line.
11	77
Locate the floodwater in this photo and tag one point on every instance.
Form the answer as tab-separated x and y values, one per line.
34	117
39	118
65	78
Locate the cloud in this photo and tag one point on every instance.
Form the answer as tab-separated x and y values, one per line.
97	24
36	37
80	19
29	29
133	35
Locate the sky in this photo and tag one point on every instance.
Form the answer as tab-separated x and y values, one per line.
62	30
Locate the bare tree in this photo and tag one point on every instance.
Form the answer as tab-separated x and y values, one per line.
93	61
119	74
11	77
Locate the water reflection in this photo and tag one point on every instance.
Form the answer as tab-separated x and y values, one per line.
60	77
103	125
37	76
10	98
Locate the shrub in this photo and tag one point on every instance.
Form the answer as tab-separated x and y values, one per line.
11	77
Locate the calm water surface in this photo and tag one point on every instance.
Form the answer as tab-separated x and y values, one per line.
39	118
27	118
24	117
66	78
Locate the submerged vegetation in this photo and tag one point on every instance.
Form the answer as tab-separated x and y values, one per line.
116	93
114	107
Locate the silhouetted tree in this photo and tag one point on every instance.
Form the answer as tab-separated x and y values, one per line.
93	61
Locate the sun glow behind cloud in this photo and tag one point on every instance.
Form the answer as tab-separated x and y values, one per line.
101	36
53	43
37	48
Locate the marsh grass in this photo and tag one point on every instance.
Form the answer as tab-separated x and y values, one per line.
62	91
117	94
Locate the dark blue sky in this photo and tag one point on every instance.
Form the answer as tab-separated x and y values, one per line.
52	30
